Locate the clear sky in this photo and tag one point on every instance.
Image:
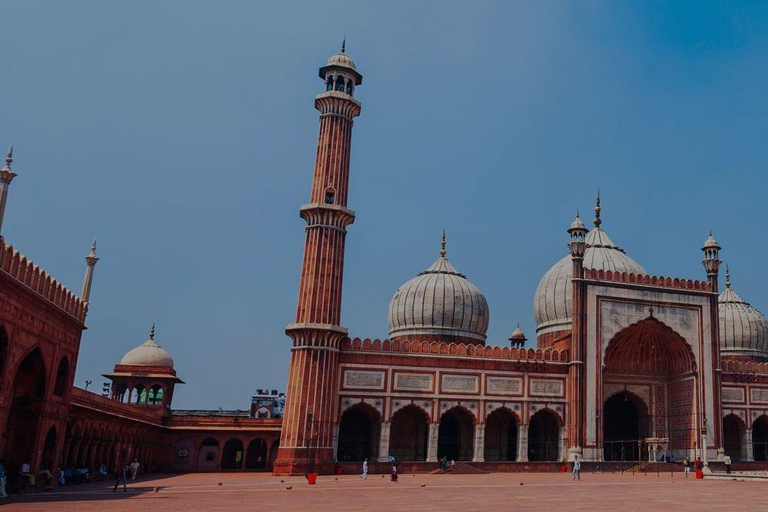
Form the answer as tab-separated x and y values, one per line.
182	135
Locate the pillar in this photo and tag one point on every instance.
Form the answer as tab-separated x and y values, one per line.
434	430
479	444
749	447
522	443
384	441
563	447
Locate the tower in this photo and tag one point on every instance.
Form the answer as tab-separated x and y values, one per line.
90	259
310	418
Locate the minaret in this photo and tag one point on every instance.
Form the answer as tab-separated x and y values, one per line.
310	420
6	177
91	259
576	389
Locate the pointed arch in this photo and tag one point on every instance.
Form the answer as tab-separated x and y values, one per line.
62	377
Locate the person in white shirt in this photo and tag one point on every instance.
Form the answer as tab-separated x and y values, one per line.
576	468
134	468
365	469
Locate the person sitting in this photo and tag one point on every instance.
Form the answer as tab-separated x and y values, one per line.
26	476
47	475
62	478
70	477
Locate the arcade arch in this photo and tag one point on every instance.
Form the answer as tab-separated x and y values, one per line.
455	439
408	434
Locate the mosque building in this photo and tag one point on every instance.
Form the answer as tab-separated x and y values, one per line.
626	366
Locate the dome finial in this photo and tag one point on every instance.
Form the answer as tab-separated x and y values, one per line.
344	44
727	276
442	244
152	332
597	220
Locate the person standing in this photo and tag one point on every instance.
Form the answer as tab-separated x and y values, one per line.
3	494
727	461
687	466
393	474
576	468
118	472
365	469
134	468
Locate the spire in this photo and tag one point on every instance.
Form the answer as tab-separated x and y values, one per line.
442	244
727	276
152	332
344	44
9	158
597	220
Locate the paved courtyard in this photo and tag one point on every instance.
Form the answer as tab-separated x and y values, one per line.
500	491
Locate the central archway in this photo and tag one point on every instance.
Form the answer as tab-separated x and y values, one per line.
651	360
455	438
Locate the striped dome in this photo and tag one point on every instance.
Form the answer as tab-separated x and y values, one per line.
439	302
743	329
552	304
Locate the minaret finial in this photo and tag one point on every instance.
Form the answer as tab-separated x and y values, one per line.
442	244
93	246
344	44
9	158
597	220
727	276
152	332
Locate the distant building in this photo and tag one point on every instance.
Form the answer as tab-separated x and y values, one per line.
267	404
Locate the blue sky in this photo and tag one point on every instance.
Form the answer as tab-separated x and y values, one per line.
182	135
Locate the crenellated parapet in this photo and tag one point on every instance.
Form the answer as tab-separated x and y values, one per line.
647	280
758	368
453	349
26	273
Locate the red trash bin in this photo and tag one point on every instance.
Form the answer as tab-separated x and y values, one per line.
699	474
563	468
312	478
339	470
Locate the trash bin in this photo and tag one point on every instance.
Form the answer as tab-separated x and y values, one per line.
563	468
312	478
339	470
699	474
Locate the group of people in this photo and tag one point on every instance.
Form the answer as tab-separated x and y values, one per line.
66	476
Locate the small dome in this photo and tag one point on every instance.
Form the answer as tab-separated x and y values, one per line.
577	223
518	335
341	59
552	304
743	329
148	353
710	242
439	302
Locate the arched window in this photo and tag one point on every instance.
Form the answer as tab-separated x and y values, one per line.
62	377
340	83
329	83
233	454
155	395
350	87
330	195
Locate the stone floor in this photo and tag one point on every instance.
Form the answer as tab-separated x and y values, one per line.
537	491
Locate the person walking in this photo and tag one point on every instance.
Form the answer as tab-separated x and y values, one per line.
119	472
365	469
576	468
727	461
393	473
3	494
687	466
134	468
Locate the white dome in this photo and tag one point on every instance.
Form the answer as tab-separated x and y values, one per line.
439	302
148	353
743	329
341	59
552	304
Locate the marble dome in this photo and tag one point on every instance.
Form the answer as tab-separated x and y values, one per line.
439	302
743	329
148	353
552	304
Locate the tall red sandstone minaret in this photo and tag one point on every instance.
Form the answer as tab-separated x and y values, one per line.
311	410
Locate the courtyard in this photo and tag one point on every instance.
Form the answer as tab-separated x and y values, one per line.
420	492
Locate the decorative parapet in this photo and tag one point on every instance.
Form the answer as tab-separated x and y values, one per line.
745	368
453	349
644	279
24	271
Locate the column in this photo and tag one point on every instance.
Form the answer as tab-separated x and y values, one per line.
384	442
749	447
522	443
434	429
335	441
479	444
562	448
